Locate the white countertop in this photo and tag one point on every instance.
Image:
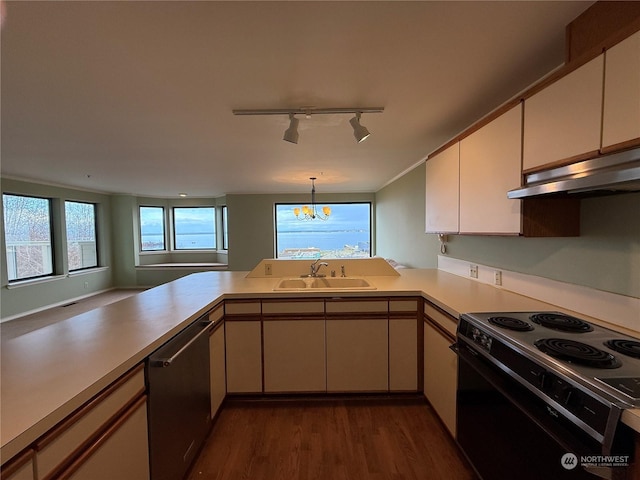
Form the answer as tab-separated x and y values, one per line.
48	373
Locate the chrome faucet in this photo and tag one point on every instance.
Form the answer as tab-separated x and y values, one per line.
314	268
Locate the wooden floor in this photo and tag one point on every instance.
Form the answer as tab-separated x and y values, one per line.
329	439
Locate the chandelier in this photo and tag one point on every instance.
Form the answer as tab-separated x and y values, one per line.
310	212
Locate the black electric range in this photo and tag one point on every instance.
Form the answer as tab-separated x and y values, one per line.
601	359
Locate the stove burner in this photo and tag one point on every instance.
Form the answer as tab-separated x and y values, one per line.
624	346
577	352
511	323
558	321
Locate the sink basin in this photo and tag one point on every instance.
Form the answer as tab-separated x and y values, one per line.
342	283
323	283
291	284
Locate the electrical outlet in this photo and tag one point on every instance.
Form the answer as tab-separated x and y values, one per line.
497	277
473	271
86	284
267	269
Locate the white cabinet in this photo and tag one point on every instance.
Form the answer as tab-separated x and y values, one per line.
106	438
442	191
562	122
403	354
294	355
19	467
243	355
357	354
621	114
490	166
121	453
217	368
440	368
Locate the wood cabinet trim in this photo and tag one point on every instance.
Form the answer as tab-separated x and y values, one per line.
436	326
17	462
98	440
626	145
69	421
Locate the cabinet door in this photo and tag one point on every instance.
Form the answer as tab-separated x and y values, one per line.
403	354
563	122
621	116
122	452
218	378
294	355
19	468
442	191
244	356
490	166
357	354
440	375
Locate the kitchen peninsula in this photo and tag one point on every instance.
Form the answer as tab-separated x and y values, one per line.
49	373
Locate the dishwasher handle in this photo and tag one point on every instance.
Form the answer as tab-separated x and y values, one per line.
166	362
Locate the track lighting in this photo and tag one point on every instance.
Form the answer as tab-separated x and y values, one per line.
359	131
291	134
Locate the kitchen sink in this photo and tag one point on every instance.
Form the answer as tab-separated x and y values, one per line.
291	284
323	283
341	282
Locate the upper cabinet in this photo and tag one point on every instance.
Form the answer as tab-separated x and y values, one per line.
562	122
467	182
443	191
489	167
621	106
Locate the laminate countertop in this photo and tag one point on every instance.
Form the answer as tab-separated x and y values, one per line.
50	372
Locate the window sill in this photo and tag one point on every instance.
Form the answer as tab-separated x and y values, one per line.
86	271
34	281
183	266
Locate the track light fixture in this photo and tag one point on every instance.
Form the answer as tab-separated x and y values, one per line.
359	131
291	134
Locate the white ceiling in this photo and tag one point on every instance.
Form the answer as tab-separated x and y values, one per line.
136	97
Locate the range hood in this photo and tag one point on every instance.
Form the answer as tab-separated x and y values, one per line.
614	173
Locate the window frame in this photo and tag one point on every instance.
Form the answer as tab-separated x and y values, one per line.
320	205
95	234
164	230
175	229
52	239
225	229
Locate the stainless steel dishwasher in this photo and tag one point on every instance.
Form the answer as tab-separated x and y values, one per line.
179	401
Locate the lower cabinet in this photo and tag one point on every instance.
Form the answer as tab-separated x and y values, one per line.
20	467
243	342
403	354
105	439
440	374
357	354
121	452
217	369
294	355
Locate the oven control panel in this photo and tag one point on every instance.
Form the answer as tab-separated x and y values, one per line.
478	336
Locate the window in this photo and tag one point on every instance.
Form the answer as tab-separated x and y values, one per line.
82	248
346	234
225	234
28	234
152	229
194	228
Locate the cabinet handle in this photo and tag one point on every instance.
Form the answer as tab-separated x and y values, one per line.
454	348
166	362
